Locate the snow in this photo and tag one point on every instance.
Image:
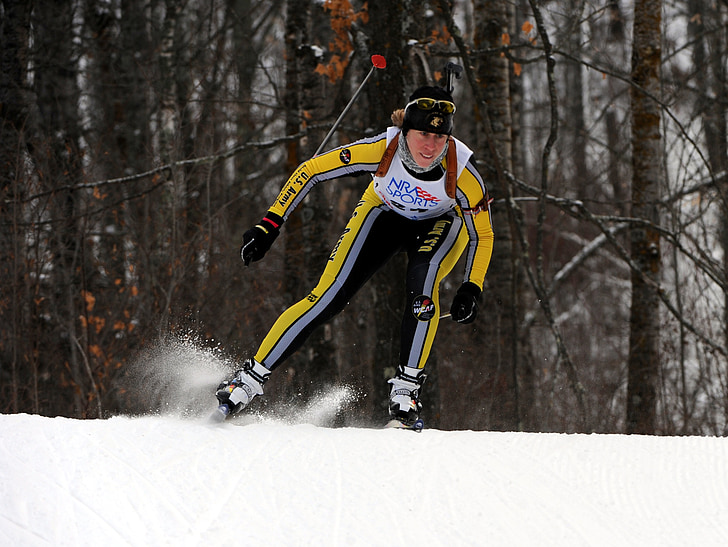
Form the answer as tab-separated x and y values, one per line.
169	480
281	476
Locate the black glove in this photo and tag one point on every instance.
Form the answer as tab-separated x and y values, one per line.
258	240
464	307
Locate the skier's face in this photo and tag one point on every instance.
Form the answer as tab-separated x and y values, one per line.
425	147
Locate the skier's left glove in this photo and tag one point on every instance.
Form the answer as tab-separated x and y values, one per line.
258	240
464	307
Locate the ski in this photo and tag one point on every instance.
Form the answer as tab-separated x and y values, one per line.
417	426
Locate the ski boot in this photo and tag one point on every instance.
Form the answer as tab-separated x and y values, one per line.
235	394
404	401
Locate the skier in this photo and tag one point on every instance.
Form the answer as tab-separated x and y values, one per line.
427	199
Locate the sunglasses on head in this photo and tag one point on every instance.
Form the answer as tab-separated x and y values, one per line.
446	107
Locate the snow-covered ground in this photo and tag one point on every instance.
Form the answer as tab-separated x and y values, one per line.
172	478
165	480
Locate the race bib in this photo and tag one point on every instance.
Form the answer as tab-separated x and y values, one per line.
410	197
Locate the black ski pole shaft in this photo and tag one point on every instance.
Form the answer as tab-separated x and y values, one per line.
377	62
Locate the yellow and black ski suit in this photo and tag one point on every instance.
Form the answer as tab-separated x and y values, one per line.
399	211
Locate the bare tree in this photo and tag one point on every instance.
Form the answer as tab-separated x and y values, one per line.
505	277
644	359
15	125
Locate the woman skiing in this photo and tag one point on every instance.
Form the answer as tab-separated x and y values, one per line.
427	199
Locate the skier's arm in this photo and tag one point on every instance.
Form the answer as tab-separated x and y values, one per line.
361	156
474	204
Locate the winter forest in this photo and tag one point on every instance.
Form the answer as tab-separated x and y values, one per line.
141	138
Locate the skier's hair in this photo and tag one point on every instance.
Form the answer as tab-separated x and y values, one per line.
398	117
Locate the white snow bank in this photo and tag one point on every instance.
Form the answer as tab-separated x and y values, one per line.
169	481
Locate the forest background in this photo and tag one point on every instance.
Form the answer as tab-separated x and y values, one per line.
141	138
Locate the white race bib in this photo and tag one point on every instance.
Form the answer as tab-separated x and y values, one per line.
411	197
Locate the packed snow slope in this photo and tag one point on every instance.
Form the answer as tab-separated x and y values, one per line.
166	480
169	477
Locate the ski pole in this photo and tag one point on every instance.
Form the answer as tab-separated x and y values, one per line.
378	61
445	315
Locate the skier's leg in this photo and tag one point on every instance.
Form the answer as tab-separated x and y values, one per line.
368	241
434	255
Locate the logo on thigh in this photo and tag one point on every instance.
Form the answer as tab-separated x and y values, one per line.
423	308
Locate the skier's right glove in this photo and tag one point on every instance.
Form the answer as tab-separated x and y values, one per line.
464	307
258	240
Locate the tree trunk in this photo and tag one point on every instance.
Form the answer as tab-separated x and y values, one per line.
574	139
14	118
505	275
644	363
711	38
59	162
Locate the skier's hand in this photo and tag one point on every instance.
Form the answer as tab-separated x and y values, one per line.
464	307
258	240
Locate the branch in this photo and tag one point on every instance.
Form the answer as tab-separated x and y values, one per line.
539	282
570	267
664	106
577	209
168	167
95	388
